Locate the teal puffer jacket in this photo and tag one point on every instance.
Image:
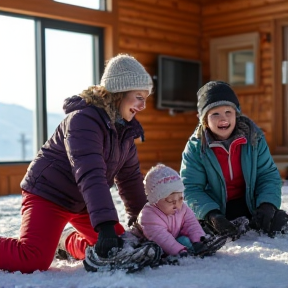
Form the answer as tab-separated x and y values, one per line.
205	187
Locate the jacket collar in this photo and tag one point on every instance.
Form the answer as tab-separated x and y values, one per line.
133	127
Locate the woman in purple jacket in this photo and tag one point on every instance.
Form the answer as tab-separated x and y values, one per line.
69	181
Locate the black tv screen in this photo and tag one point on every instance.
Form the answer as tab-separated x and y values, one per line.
177	83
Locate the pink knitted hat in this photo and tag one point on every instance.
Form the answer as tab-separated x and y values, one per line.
160	181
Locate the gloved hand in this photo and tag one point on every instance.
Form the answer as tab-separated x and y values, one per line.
207	246
183	253
132	220
263	217
279	223
222	225
107	239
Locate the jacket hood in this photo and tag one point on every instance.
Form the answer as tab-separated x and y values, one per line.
73	103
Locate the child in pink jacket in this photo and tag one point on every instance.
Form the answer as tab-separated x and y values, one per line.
166	219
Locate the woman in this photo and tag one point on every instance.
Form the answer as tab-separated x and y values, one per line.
227	169
69	181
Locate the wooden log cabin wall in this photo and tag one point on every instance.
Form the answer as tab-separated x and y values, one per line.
148	28
182	28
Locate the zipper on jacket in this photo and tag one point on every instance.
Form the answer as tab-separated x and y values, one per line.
219	145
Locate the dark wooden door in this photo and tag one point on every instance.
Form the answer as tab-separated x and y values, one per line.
280	63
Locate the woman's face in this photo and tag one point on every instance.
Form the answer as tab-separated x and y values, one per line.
221	121
132	103
170	204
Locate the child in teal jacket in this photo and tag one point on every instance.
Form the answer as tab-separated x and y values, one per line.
227	169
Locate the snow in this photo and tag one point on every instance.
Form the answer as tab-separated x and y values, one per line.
253	261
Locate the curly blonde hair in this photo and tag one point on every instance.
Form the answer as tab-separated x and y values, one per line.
100	97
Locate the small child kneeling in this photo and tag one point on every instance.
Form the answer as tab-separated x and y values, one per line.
168	221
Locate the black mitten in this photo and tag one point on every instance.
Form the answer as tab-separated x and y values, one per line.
279	223
131	220
200	249
183	253
222	225
208	245
107	239
263	217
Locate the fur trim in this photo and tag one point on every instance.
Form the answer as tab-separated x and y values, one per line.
101	98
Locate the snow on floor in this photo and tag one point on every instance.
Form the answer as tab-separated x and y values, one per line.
253	261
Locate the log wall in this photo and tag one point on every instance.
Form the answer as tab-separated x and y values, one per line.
148	28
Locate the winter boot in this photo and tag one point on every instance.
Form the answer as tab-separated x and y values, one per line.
61	253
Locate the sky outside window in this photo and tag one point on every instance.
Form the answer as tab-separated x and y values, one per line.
17	89
17	62
69	69
92	4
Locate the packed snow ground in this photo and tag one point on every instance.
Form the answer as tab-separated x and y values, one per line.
253	261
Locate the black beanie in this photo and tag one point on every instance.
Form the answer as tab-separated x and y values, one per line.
213	94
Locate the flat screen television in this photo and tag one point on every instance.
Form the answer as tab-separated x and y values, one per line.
178	81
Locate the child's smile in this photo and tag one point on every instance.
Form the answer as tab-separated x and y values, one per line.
221	121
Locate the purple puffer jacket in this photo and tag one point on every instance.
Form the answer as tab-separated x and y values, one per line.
76	167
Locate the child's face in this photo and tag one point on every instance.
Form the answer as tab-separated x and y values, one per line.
170	204
221	121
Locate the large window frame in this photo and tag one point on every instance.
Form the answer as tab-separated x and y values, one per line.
221	47
40	25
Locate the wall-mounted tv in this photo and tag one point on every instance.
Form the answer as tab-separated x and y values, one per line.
178	81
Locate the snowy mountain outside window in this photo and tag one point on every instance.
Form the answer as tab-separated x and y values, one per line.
71	65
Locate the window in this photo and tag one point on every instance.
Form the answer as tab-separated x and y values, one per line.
17	89
234	59
42	62
92	4
66	77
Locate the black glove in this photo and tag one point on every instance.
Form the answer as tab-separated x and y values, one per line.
200	249
279	223
222	225
131	220
207	246
107	239
183	253
263	217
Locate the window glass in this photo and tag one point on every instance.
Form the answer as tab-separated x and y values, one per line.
72	62
69	70
17	89
92	4
235	59
241	67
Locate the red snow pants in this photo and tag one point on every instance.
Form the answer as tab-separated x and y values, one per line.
41	228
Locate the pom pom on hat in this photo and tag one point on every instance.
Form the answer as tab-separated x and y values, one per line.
160	181
213	94
124	73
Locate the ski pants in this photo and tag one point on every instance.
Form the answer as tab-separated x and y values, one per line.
41	227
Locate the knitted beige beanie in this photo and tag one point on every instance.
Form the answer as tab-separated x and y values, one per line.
124	73
160	181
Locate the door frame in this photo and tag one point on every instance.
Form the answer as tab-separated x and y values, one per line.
278	145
